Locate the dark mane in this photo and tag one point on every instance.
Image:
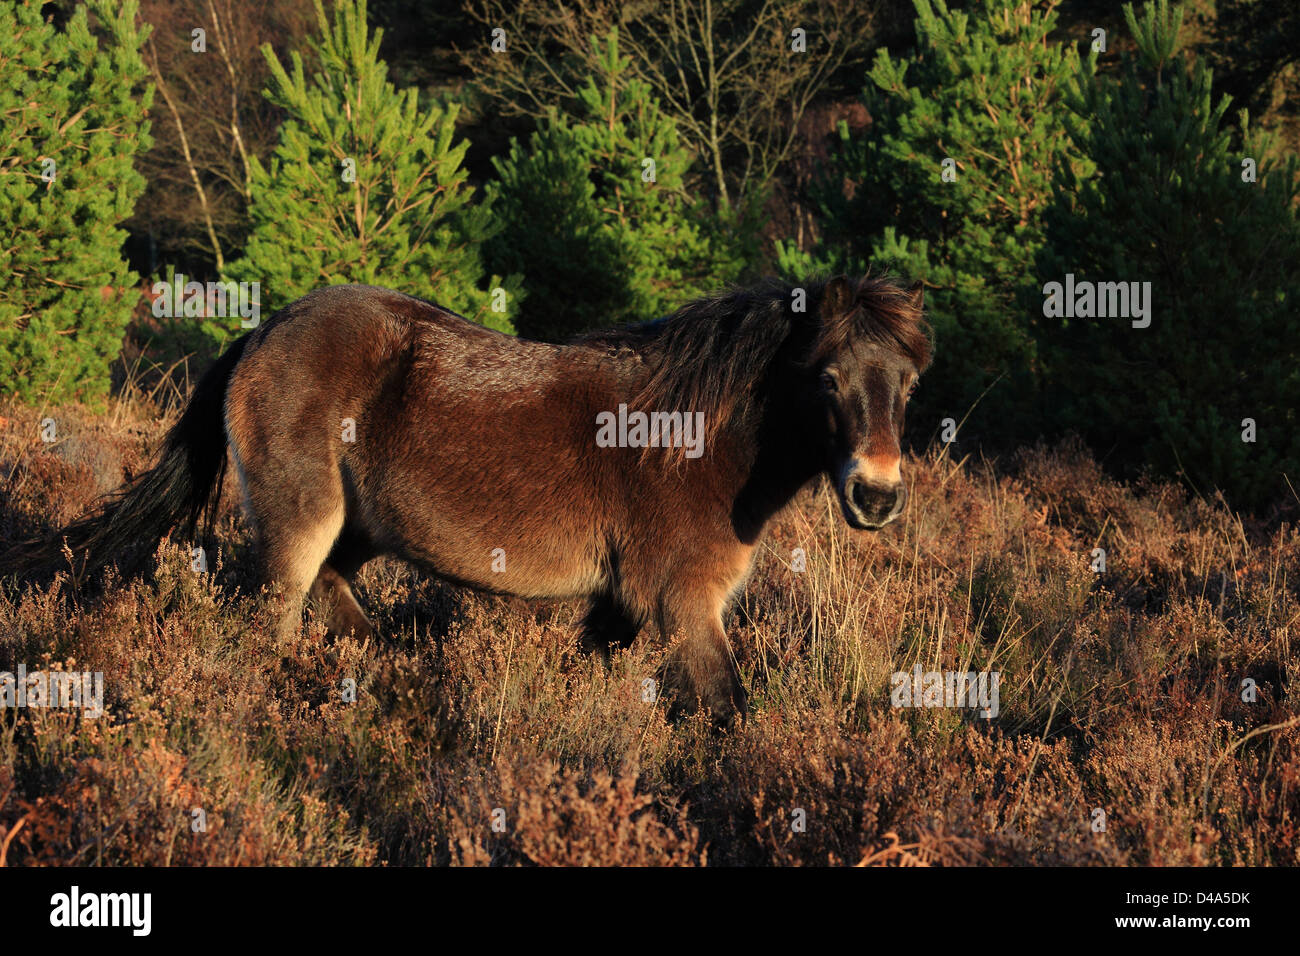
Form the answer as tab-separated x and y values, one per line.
884	313
708	354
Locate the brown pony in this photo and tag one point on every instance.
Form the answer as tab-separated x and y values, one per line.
634	469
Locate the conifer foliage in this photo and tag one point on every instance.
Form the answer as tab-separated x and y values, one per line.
366	186
74	104
948	185
596	215
1207	215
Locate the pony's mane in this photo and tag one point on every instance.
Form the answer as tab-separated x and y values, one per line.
708	354
882	312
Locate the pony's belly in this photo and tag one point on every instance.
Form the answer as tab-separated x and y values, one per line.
511	520
556	567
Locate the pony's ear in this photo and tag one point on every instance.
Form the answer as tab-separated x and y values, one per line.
837	297
917	295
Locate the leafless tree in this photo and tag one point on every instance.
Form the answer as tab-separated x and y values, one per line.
209	115
736	76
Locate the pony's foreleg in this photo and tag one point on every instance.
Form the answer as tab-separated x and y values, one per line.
701	666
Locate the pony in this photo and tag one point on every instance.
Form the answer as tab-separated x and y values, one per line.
634	469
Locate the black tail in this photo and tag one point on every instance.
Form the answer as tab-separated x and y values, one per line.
184	485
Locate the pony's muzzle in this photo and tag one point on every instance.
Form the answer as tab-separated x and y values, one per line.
872	504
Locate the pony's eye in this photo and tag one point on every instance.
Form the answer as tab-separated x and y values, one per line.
829	382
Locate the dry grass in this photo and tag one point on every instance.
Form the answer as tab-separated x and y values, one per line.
1121	692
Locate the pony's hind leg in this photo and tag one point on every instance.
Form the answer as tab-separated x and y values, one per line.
294	553
332	589
298	518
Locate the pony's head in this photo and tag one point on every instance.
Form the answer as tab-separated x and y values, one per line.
830	381
870	349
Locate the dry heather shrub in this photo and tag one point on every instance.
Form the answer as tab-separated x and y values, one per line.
1187	793
136	806
522	678
1121	692
198	714
967	803
554	817
1160	542
49	483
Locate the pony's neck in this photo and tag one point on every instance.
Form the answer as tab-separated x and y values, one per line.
781	449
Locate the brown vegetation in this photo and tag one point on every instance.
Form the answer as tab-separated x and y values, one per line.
1121	691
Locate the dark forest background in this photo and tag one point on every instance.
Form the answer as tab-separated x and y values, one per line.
983	148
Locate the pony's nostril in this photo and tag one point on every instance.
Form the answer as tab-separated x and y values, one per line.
858	495
875	500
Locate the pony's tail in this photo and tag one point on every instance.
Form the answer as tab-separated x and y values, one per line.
183	485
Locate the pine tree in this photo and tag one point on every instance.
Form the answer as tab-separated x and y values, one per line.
75	113
597	214
555	233
365	186
947	186
1207	215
